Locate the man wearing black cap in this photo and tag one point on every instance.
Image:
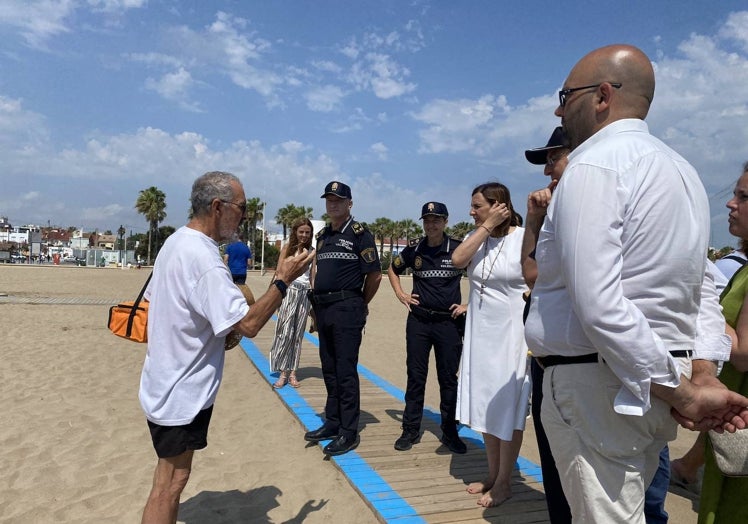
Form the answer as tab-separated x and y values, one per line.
435	319
347	276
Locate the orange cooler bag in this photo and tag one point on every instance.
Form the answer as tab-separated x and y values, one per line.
130	319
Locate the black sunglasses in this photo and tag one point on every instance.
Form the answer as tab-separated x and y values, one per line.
564	93
242	207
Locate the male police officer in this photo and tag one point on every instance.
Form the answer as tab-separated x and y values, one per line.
347	276
435	319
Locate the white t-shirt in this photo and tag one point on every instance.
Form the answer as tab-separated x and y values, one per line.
193	306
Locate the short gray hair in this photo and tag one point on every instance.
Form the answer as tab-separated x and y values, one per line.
208	187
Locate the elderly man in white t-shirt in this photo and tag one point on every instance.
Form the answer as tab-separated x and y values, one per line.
194	305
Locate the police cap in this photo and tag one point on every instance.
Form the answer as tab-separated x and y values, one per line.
338	189
434	208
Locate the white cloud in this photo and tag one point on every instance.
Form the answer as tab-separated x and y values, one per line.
324	98
736	28
114	6
380	150
154	59
175	87
38	21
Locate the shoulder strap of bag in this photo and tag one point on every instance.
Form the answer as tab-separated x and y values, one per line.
136	304
740	260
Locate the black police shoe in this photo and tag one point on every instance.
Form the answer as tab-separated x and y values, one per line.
454	443
341	445
322	433
407	439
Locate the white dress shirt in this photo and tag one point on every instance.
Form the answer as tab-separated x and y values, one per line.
621	258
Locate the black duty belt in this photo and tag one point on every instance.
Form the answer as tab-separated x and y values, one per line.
329	297
589	358
432	315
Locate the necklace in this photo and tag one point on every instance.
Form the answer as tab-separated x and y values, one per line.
483	276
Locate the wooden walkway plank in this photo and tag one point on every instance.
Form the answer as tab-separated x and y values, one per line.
425	484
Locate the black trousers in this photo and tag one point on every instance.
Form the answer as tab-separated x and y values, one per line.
445	337
558	507
340	325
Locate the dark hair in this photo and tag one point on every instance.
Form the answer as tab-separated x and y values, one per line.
293	240
496	192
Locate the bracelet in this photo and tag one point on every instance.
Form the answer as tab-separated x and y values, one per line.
484	227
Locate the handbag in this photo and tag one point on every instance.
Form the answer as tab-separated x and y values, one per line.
731	452
130	319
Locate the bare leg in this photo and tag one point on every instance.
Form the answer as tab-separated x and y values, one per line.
169	480
688	465
492	455
501	490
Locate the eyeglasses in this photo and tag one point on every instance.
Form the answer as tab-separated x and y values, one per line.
564	93
552	160
242	207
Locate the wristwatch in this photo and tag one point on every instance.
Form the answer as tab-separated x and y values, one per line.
282	287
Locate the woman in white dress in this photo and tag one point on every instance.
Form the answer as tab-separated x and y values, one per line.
289	330
494	386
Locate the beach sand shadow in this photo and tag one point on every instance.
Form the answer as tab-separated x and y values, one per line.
233	507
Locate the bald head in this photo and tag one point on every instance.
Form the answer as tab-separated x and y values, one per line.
629	66
583	115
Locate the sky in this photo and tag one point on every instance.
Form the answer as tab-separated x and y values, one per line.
405	101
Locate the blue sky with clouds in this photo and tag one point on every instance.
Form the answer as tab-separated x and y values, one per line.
405	101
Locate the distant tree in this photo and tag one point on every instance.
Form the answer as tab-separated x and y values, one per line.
151	203
460	229
380	229
410	229
255	209
288	214
164	232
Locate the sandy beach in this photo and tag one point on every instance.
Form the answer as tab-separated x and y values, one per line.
74	445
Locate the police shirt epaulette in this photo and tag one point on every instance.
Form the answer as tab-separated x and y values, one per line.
456	239
320	233
415	241
358	227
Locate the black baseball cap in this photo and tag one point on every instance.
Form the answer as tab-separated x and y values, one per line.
434	208
338	189
538	155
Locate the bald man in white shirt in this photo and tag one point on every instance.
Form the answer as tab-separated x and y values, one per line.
613	317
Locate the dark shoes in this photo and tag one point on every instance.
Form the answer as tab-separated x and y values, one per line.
407	439
341	444
454	443
321	433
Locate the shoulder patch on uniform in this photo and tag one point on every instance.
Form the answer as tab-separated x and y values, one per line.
320	233
369	254
358	227
414	241
398	261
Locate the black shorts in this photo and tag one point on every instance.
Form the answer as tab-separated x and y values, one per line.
170	441
239	279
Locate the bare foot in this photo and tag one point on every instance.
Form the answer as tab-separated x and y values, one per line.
479	487
496	495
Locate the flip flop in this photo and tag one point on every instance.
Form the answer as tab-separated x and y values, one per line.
293	381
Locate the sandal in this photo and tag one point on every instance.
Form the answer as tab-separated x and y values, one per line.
281	381
292	380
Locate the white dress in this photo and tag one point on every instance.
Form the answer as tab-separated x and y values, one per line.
494	386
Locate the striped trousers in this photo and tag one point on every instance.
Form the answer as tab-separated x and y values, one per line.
289	330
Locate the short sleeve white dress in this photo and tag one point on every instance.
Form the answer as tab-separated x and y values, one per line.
494	385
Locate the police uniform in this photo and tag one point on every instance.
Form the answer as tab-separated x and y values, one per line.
343	259
437	283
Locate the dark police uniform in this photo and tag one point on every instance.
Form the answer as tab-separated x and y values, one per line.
343	259
437	284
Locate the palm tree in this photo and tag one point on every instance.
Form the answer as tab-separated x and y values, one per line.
288	214
411	229
151	204
460	229
380	228
255	207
